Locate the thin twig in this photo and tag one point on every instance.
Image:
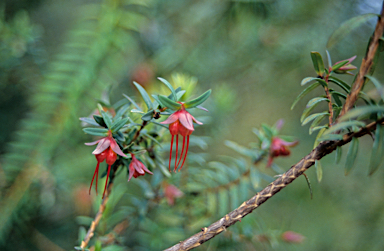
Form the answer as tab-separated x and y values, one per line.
97	219
247	207
365	65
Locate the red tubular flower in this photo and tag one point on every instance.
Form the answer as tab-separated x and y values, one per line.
136	168
180	122
107	149
279	147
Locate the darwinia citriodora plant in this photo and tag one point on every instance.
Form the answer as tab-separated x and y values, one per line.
124	141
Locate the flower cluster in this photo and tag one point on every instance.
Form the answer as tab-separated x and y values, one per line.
180	123
136	168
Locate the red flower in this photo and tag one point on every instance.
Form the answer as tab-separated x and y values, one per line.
180	122
171	192
107	149
279	147
136	168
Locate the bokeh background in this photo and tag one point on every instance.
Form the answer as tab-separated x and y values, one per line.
57	58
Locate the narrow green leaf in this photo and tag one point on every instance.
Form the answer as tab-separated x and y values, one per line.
351	155
307	80
240	149
357	112
331	137
318	63
319	170
107	118
377	155
99	120
339	153
316	100
143	132
156	98
170	87
311	130
122	111
340	83
145	95
378	86
166	102
316	122
199	100
313	116
328	58
89	121
347	27
96	131
338	94
133	102
305	92
117	125
317	141
147	116
309	184
343	126
337	66
306	112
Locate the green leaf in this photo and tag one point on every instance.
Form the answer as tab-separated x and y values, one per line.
117	125
377	155
347	27
199	100
316	122
133	102
145	95
351	155
337	66
96	131
107	118
307	80
170	87
328	58
340	83
305	92
89	121
311	130
147	116
166	102
360	111
344	125
99	120
316	100
378	86
310	106
122	111
240	149
318	63
331	137
319	170
318	137
313	116
339	153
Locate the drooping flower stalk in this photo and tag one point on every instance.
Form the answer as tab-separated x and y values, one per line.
107	149
180	123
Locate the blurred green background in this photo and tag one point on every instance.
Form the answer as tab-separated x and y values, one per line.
58	57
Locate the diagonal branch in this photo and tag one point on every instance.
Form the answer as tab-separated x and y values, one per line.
366	65
248	206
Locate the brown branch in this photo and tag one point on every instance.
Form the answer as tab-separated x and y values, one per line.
365	65
97	219
248	206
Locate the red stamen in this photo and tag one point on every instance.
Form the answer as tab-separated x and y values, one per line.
182	150
186	152
170	154
177	147
95	173
106	182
